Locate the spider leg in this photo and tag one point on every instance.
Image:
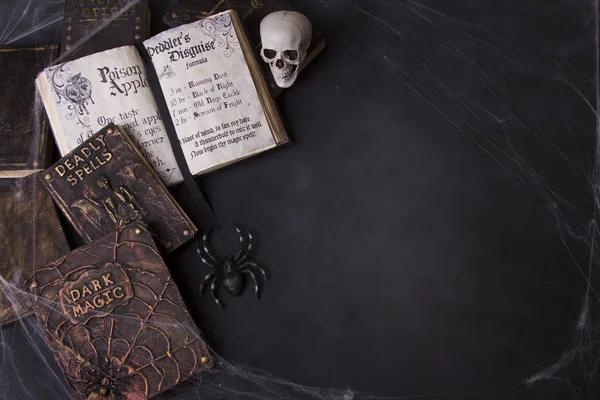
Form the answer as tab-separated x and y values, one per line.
205	282
249	264
256	287
207	248
213	291
203	258
243	255
237	257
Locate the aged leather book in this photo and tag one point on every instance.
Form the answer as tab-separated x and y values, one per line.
105	183
31	237
24	130
91	26
211	83
115	321
251	13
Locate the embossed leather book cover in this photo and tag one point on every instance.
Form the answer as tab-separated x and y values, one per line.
251	13
31	237
24	132
105	183
115	321
102	25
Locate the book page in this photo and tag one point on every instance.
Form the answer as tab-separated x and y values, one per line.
88	93
210	93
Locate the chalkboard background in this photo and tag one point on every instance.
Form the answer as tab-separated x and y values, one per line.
428	233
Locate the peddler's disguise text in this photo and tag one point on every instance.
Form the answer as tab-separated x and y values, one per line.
172	47
210	93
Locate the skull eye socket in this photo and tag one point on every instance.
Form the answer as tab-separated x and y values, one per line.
291	55
269	53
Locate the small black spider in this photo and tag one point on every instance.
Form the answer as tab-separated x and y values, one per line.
230	271
106	380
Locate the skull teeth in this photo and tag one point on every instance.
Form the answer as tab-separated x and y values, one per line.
286	73
284	76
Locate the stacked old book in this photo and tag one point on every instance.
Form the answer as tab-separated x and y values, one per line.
27	214
109	310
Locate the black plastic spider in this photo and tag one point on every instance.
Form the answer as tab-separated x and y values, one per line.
231	270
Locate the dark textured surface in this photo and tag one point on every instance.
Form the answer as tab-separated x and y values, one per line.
421	231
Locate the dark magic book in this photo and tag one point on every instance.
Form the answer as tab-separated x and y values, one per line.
31	237
105	183
115	320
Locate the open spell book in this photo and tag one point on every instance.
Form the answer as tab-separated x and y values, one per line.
217	97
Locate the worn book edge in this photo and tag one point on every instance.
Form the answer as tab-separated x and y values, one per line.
20	173
45	93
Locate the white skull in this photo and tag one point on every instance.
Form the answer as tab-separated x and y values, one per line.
285	37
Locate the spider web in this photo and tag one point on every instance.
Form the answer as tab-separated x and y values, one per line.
498	127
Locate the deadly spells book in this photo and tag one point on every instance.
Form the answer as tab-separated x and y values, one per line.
31	237
24	131
115	321
252	13
105	183
215	92
92	25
